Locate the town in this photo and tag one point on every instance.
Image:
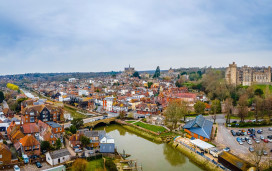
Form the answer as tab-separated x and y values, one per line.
219	118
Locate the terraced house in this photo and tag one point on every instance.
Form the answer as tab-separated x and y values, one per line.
45	113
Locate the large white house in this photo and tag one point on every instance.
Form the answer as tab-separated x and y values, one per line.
58	156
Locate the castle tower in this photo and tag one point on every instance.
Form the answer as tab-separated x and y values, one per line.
231	74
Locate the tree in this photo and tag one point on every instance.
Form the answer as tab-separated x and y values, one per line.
174	112
45	146
2	97
243	107
73	129
80	165
85	141
180	82
216	106
78	122
199	107
136	74
258	103
157	72
258	154
122	114
228	108
149	84
58	144
258	92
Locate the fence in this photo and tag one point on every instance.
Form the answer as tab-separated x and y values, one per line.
201	154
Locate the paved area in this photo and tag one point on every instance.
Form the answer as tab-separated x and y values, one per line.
33	167
225	139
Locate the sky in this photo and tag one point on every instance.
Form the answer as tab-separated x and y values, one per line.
108	35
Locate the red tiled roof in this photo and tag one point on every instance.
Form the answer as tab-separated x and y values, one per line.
29	140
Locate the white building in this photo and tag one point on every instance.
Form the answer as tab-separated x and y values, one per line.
83	92
58	156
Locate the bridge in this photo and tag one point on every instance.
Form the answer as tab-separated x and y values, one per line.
104	121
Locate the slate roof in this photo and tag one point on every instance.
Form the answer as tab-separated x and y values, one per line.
54	124
200	126
59	153
91	133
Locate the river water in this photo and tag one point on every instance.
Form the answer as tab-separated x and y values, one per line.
150	155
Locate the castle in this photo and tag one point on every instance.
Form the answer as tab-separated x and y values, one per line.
247	76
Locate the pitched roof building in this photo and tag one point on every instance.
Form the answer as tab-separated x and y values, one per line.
199	128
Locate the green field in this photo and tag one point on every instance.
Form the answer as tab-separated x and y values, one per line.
97	164
262	87
130	121
153	128
73	112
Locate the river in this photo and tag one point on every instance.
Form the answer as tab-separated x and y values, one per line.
151	155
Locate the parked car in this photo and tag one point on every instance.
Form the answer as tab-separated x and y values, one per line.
234	121
262	137
269	129
260	131
77	150
265	152
269	136
257	141
265	140
238	139
238	133
269	140
16	168
251	149
243	139
249	142
248	132
247	138
241	143
226	149
38	164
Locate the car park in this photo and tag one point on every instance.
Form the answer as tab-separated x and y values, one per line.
251	149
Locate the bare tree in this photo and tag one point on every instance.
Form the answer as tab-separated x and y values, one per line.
258	103
243	107
258	155
228	108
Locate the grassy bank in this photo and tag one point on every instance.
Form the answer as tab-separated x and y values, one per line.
202	162
153	128
97	164
73	112
144	134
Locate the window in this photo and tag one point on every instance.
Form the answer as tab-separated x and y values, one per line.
60	129
0	156
57	129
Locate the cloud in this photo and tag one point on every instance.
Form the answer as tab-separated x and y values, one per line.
72	36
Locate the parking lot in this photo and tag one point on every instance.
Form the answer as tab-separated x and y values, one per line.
33	167
226	139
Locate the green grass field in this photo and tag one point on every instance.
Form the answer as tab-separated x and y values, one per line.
97	164
73	112
130	121
153	128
